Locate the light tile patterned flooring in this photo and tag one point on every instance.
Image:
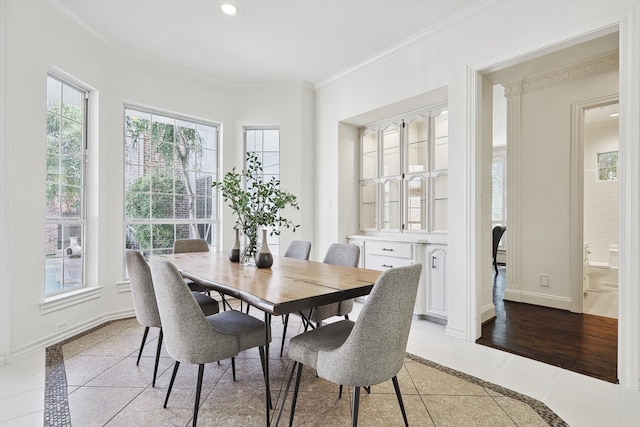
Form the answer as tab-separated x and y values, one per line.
106	388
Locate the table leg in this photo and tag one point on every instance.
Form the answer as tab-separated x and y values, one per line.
267	331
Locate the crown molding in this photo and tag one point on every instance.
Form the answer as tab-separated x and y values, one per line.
597	65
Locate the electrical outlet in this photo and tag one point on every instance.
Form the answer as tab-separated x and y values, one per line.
544	280
61	325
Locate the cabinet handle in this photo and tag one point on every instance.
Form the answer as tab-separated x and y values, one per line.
387	266
387	249
433	262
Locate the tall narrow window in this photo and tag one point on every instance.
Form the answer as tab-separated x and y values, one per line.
265	142
65	186
170	164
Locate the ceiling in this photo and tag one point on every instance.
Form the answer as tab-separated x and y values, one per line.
269	40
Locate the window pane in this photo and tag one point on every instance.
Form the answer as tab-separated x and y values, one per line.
497	190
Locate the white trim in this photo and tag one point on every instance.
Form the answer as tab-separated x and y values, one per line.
629	268
68	299
536	298
5	189
123	287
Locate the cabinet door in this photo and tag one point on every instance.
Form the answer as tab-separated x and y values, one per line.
369	147
417	145
436	281
391	150
416	202
369	206
391	218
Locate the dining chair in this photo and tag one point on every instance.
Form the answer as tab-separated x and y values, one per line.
344	254
366	352
191	337
299	249
181	246
497	231
146	306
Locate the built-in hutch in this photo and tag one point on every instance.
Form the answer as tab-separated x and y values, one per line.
403	201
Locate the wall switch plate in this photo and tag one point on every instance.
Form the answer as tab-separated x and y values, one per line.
544	280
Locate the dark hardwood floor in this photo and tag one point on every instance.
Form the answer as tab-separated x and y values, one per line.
578	342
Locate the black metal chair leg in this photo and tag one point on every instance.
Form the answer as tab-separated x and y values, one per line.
284	332
396	386
173	377
286	393
295	393
356	404
144	339
155	368
198	390
233	367
340	393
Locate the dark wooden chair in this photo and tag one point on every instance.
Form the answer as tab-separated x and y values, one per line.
498	231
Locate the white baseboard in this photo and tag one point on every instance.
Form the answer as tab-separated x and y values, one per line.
535	298
70	332
487	313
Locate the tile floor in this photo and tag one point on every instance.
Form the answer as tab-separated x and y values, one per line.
103	386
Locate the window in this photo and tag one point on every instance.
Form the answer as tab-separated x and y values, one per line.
170	164
65	186
265	142
403	179
498	194
608	166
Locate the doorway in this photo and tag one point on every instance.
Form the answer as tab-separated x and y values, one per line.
601	147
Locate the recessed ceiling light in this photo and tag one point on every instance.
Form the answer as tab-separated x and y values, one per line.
614	114
229	9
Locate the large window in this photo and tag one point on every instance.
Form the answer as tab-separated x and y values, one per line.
65	186
265	143
170	164
403	173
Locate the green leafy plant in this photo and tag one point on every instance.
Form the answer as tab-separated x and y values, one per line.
257	203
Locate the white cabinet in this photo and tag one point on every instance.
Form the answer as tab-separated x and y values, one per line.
382	253
436	290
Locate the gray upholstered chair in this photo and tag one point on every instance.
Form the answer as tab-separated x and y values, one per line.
193	338
144	302
337	254
367	352
299	249
181	246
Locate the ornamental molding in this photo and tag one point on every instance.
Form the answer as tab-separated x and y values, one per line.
592	67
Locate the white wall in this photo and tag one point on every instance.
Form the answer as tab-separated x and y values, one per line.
601	226
40	38
495	36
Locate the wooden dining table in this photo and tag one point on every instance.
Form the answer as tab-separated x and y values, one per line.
289	286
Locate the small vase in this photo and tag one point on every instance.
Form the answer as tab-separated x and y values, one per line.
264	259
234	254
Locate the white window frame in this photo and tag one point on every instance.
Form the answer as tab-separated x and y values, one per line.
208	226
71	257
272	241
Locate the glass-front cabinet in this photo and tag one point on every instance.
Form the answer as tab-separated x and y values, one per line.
403	185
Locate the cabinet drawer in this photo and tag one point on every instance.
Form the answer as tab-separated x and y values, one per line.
375	262
389	249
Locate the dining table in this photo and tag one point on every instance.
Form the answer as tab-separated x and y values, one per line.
289	286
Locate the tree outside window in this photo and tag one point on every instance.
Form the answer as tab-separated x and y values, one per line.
170	164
